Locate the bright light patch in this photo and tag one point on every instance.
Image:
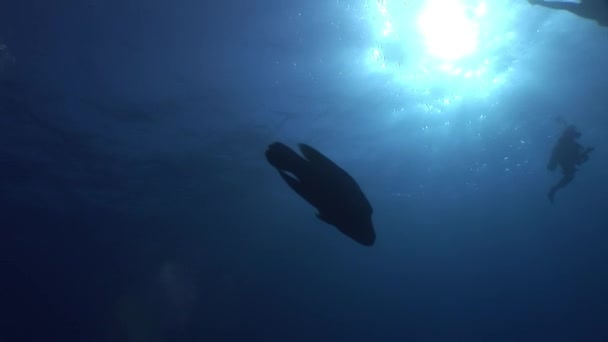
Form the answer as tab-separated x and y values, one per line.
377	57
448	31
382	7
388	28
481	9
439	54
376	54
441	51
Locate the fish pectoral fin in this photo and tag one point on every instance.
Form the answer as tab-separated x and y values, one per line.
294	183
323	218
319	217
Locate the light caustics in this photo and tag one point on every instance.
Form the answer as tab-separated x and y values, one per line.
444	49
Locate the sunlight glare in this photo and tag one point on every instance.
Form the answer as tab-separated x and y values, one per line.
447	30
441	51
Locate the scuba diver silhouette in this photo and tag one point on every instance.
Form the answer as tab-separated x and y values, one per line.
596	10
568	154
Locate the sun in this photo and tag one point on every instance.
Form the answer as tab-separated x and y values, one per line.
444	50
449	32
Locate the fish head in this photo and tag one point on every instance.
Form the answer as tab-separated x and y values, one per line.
361	230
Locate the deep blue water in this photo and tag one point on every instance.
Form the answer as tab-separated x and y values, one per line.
136	203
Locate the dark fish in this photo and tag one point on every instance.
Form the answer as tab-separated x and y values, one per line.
326	186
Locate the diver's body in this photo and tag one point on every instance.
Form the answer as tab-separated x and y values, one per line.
567	154
596	10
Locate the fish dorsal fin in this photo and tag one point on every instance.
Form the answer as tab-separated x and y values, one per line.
327	166
317	157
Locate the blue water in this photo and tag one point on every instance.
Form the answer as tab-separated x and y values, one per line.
136	203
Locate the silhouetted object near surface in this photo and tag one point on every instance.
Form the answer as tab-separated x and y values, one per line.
568	154
596	10
327	187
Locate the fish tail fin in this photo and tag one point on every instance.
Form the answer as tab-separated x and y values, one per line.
284	158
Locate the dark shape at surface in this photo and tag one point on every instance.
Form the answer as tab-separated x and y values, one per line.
567	154
327	187
596	10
